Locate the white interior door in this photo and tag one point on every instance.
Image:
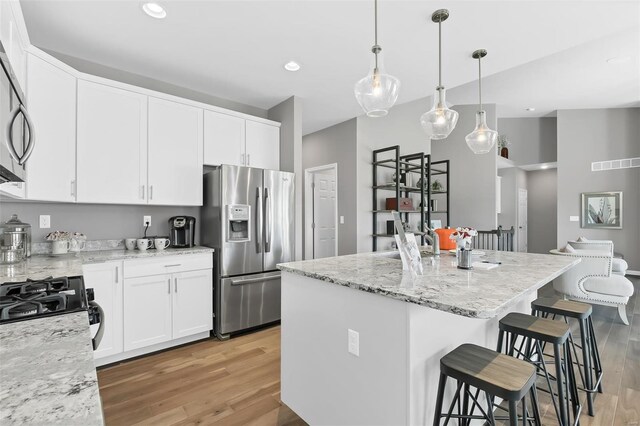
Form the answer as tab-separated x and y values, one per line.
522	220
324	214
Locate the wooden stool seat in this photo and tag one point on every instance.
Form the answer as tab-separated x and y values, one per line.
541	329
567	308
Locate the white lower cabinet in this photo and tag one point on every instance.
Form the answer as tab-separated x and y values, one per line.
106	281
147	311
192	313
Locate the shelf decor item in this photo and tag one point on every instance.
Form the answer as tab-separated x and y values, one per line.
482	139
503	146
378	91
602	210
437	186
463	238
440	121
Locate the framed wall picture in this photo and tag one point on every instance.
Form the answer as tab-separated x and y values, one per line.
602	210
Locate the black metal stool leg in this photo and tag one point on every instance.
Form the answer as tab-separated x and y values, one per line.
535	406
441	385
492	419
513	413
559	374
596	355
586	342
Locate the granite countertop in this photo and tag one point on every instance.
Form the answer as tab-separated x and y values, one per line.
47	372
471	293
46	265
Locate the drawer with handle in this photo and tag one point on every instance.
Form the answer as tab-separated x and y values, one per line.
167	265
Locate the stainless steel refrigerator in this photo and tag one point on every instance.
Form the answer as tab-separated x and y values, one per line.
247	217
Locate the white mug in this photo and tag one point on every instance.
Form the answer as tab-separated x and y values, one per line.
142	243
161	243
60	246
76	245
130	243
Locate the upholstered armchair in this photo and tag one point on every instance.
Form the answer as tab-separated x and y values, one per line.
591	281
618	267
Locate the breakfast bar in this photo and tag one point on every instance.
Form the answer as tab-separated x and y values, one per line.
362	340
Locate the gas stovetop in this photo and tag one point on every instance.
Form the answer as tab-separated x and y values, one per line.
40	298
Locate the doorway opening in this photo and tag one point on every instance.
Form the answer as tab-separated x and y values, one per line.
321	211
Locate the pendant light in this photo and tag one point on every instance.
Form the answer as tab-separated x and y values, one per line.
440	121
482	139
377	92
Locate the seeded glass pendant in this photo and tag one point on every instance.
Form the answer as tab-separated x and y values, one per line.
440	120
482	139
378	91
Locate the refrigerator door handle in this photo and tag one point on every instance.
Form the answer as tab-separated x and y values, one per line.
267	221
258	221
254	280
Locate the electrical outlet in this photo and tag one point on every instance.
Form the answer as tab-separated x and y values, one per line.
45	221
574	218
354	342
146	220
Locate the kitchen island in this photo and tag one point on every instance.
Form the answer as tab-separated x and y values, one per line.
398	326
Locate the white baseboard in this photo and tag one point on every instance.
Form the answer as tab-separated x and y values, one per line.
634	273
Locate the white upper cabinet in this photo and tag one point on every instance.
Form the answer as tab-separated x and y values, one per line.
175	153
112	145
239	142
13	41
262	145
51	99
223	139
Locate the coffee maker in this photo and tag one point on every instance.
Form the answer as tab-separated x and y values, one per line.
182	231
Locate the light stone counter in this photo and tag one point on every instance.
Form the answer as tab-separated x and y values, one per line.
42	266
47	374
475	293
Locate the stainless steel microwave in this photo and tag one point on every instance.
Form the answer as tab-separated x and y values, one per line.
17	137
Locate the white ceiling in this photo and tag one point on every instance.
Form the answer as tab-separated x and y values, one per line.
236	49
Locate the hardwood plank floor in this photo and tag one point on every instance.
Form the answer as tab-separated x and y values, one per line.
237	382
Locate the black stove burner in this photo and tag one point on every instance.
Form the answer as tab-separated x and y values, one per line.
37	298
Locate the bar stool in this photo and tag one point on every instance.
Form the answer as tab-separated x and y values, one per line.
591	367
495	374
533	332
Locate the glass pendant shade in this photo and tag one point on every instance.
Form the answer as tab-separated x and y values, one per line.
440	120
377	92
482	139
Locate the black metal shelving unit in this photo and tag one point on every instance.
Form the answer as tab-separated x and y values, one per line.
417	164
441	168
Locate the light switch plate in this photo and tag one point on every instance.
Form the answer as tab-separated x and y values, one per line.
574	218
45	221
354	342
341	220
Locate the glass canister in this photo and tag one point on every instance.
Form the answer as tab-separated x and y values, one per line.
15	233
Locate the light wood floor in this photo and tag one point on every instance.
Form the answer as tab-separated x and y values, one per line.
237	382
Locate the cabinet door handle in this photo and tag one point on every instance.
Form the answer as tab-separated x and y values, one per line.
242	160
248	159
117	273
151	192
171	266
175	285
142	192
169	286
73	188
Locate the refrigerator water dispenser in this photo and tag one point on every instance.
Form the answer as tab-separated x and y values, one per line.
238	223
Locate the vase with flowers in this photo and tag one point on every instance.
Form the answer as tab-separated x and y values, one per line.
463	238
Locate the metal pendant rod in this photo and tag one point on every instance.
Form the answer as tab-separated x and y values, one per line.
375	30
440	52
480	81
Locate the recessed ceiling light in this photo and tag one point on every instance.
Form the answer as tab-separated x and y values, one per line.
292	66
544	166
154	10
531	109
619	60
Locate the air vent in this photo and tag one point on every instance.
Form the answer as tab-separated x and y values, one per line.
624	163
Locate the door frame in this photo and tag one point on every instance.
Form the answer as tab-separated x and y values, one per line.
521	234
308	208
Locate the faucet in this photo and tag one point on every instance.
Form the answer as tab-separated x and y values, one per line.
434	239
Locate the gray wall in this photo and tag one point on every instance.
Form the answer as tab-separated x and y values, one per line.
289	113
542	210
337	144
96	221
472	176
533	140
585	136
152	84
